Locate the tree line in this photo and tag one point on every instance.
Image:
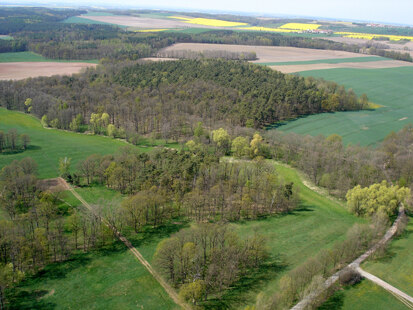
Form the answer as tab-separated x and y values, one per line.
41	227
11	141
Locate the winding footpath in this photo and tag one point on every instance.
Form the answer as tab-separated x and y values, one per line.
407	300
171	292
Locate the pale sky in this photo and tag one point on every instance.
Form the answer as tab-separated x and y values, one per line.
391	11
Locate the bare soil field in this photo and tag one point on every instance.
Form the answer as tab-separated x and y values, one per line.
267	53
142	22
353	65
23	70
398	47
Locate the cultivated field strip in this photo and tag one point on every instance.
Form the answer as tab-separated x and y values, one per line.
171	292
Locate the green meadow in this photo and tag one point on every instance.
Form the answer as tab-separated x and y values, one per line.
363	296
48	145
390	88
33	57
396	267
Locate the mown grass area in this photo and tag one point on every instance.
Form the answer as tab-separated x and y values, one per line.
396	267
110	278
363	296
48	145
325	61
317	224
390	88
33	57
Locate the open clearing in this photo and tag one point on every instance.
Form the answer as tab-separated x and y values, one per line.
48	145
267	53
23	70
390	88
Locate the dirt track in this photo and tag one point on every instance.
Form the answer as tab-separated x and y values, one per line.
171	292
23	70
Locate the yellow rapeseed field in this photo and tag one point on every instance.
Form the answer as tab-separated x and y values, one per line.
150	30
267	29
369	36
208	22
300	26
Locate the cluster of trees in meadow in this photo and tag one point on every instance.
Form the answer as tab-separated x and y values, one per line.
169	98
11	141
193	184
41	227
207	259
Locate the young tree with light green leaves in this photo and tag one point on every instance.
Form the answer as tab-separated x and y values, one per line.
377	198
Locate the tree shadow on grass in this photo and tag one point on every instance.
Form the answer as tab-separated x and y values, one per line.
335	302
151	234
239	294
25	297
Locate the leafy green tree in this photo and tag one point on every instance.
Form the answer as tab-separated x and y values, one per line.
7	278
193	291
111	130
222	140
240	147
28	104
45	121
64	166
379	198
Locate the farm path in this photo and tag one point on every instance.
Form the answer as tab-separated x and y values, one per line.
407	300
355	265
171	292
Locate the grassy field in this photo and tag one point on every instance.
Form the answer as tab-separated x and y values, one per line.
363	296
317	224
5	37
33	57
390	88
325	61
48	145
396	267
111	278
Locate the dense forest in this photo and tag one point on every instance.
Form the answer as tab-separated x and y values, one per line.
169	98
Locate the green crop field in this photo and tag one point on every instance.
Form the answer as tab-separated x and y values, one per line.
363	296
390	88
33	57
325	61
48	145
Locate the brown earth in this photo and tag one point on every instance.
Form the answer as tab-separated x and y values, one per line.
53	185
143	22
267	53
353	65
397	47
23	70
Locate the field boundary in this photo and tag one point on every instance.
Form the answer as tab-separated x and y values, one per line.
171	292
